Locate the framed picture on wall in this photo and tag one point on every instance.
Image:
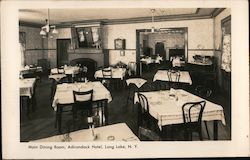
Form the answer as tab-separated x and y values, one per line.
119	43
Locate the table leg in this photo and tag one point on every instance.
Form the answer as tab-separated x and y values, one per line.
59	118
28	107
33	102
106	111
215	129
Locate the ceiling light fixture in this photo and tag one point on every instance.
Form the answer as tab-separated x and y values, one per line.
152	28
45	30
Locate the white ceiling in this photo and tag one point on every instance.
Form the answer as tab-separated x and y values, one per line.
58	16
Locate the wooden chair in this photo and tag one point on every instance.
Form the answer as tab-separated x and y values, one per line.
191	125
82	101
174	78
205	93
107	77
143	110
144	117
173	75
148	135
132	89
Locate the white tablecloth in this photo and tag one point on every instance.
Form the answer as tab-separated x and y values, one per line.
27	86
57	77
168	110
118	73
208	63
64	92
149	60
177	62
117	132
71	70
162	75
137	81
28	69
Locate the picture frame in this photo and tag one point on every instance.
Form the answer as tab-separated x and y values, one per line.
119	44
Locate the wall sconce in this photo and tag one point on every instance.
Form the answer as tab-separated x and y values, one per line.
122	53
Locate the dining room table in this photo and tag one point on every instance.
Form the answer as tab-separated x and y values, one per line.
166	107
149	60
162	75
64	96
114	132
117	73
27	89
30	69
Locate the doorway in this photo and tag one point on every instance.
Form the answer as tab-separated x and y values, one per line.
62	51
160	49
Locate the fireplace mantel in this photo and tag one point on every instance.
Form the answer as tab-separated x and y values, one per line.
85	51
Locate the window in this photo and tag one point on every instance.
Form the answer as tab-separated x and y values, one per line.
226	44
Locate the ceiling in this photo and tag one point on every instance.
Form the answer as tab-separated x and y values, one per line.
110	15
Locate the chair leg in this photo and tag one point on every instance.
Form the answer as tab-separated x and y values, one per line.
200	135
56	120
207	129
128	98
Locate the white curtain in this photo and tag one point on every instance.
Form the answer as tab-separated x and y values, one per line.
226	53
22	43
22	50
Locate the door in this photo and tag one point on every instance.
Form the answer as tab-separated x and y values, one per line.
62	51
160	49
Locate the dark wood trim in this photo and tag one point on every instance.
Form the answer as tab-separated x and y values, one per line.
157	19
217	11
201	49
29	24
180	17
228	18
121	49
125	21
39	49
217	50
81	53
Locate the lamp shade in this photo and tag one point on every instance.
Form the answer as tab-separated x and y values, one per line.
54	31
42	32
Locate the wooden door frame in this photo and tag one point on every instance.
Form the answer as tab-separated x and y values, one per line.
138	31
57	40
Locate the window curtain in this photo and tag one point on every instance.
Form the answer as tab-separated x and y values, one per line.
22	44
74	39
226	53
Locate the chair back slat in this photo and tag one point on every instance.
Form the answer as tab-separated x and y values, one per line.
143	101
83	96
192	108
173	75
107	73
